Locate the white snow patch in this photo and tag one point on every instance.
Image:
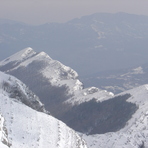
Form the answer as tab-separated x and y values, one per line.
100	33
88	94
138	70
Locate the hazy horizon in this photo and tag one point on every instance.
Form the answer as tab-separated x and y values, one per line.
37	12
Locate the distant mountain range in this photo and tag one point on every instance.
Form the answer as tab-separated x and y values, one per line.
90	44
118	81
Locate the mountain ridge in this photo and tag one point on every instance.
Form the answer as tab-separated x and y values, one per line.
118	81
25	127
134	134
57	73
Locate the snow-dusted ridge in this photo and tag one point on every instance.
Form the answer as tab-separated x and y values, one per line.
22	126
20	56
15	89
88	94
135	133
55	73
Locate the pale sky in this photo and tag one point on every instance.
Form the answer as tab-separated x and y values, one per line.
43	11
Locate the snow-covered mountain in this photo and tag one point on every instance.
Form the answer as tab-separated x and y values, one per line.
104	119
23	126
43	75
38	68
134	134
57	85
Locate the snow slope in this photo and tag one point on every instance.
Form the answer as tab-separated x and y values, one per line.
53	72
88	94
135	132
28	128
16	89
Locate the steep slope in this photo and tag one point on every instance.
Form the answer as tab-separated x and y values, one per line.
134	133
57	85
27	128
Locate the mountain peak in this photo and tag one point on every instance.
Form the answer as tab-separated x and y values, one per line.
44	55
20	56
27	51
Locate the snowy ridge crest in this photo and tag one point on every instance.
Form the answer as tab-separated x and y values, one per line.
28	55
87	94
53	74
14	88
135	132
20	56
